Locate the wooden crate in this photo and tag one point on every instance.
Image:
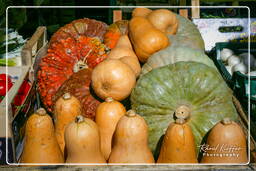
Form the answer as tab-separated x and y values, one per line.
14	121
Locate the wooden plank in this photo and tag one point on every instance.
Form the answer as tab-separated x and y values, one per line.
117	15
31	47
183	12
196	9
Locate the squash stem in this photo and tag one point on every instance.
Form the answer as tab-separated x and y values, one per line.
109	99
79	119
183	112
130	113
226	121
66	96
180	121
41	111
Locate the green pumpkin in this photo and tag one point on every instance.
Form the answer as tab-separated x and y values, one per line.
187	35
159	93
174	54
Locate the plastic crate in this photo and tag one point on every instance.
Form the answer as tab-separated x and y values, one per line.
238	82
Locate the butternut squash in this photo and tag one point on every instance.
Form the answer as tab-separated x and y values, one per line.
123	50
108	114
145	38
141	12
178	145
113	78
130	141
66	109
83	142
164	20
226	143
40	145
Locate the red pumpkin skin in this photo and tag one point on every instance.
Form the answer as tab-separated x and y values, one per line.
78	41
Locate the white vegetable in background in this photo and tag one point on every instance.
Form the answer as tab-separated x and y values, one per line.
225	53
240	67
233	60
228	69
245	59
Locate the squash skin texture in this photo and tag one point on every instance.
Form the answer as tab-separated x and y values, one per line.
130	141
178	145
158	93
124	51
187	34
65	111
108	114
230	135
164	20
146	39
174	54
83	142
41	145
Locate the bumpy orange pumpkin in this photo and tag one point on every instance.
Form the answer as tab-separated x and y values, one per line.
73	46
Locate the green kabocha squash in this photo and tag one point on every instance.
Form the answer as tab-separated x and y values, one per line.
173	54
187	35
182	88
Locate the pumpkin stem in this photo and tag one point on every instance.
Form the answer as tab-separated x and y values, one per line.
66	96
226	121
180	121
130	113
41	111
109	99
182	112
79	119
79	66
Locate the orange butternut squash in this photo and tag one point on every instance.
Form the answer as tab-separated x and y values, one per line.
108	114
141	12
226	143
178	145
83	142
113	78
145	38
40	145
125	53
164	20
130	141
66	109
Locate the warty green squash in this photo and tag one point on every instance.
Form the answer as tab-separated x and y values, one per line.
162	91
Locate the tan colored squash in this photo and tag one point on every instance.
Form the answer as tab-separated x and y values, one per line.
164	20
40	145
123	50
226	143
145	38
83	142
178	145
108	114
141	12
66	109
113	78
130	141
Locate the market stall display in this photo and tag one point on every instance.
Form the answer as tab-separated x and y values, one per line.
159	74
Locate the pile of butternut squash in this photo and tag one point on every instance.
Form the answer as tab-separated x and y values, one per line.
118	134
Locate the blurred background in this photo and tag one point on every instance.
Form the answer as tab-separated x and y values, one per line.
25	21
